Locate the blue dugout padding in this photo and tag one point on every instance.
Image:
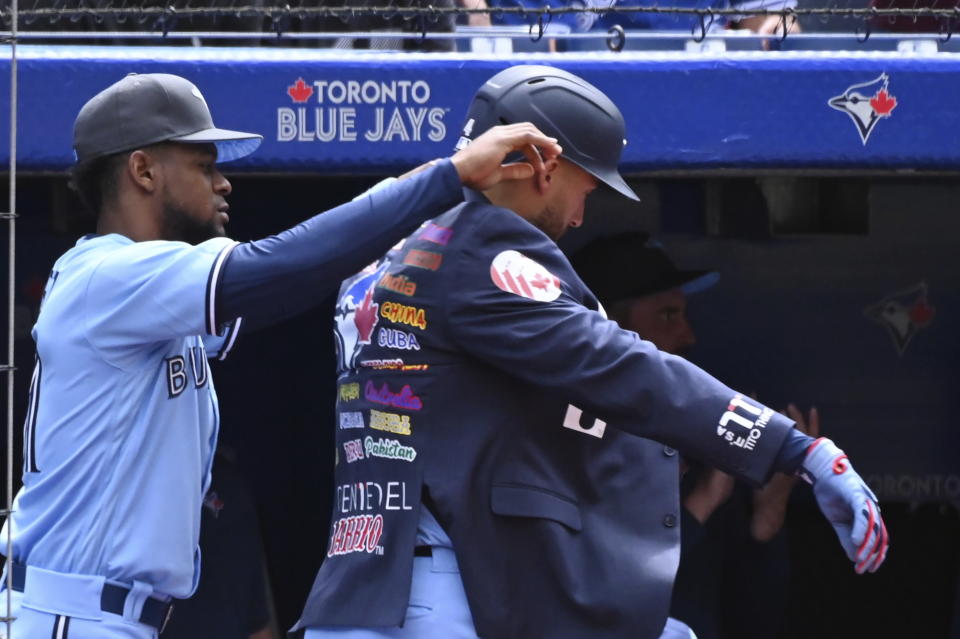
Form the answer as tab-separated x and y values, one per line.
860	325
322	110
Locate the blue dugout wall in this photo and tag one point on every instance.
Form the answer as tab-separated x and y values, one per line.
861	325
324	111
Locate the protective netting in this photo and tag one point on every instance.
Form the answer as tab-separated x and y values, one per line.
97	19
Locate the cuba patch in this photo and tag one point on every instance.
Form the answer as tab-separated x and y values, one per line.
404	399
388	449
349	392
390	422
403	314
394	338
423	259
351	419
398	284
514	272
358	533
353	450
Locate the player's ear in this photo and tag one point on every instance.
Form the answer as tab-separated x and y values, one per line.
142	169
545	178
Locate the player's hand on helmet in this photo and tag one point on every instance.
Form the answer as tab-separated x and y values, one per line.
480	164
848	504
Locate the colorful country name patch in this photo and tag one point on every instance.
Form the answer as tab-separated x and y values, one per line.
351	419
395	338
353	450
437	234
423	259
403	399
398	284
403	314
390	422
388	449
349	392
391	365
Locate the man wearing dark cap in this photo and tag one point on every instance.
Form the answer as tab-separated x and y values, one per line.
122	419
645	292
641	289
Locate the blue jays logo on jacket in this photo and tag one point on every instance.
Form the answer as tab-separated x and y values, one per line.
356	315
480	381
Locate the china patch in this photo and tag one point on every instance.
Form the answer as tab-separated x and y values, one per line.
516	273
403	314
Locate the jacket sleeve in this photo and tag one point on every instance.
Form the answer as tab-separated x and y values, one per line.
282	275
507	311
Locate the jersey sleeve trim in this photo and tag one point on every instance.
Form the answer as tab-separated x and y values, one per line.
213	283
230	339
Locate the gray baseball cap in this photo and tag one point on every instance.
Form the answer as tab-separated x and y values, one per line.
143	109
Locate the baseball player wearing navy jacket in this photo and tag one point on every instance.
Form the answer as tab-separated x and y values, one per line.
506	456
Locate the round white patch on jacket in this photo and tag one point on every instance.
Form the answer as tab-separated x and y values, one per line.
516	273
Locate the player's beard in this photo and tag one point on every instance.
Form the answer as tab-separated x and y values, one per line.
181	226
549	222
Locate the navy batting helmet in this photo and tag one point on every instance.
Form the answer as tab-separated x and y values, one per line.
588	125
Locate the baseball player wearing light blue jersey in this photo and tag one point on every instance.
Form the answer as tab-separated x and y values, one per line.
122	420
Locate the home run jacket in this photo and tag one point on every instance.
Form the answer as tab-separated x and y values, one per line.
477	376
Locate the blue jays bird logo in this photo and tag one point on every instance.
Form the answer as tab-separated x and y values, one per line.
866	104
356	315
903	314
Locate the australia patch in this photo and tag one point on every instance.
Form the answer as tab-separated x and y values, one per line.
516	273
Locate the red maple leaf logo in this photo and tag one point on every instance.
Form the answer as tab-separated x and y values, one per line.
883	103
540	281
921	313
300	91
365	317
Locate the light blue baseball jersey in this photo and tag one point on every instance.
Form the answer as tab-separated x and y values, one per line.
122	421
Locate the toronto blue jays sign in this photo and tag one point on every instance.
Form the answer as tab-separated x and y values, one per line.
381	113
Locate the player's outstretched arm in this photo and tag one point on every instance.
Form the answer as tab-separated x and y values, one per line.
847	503
274	278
